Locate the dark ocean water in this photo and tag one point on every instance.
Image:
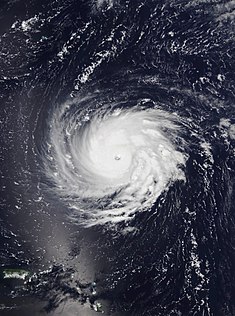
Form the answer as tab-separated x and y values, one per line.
88	58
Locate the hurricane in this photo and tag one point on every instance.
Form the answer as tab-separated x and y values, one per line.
117	158
110	163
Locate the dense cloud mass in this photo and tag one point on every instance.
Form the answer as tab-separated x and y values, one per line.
111	165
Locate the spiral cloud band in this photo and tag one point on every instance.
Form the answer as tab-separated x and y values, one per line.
113	164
